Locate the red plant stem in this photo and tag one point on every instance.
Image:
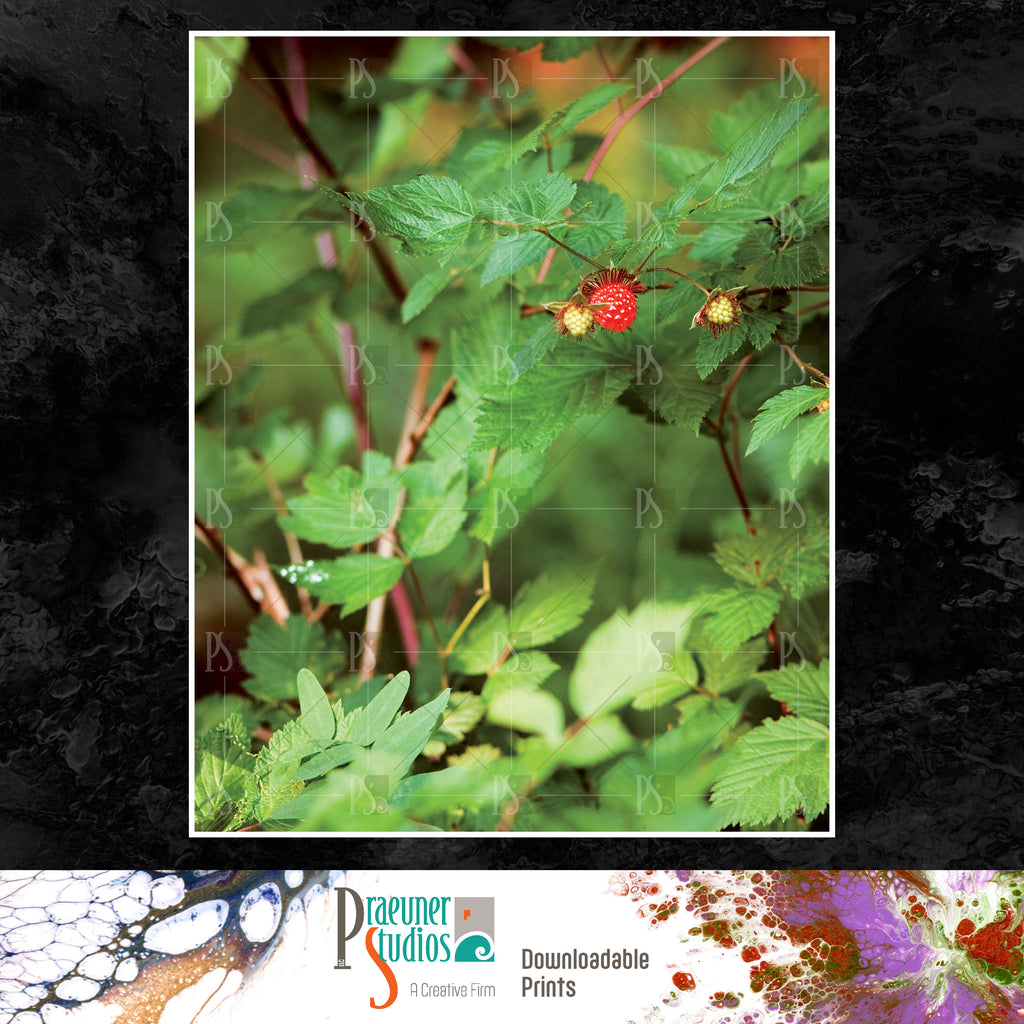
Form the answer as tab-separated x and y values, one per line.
813	306
295	62
621	121
624	118
734	477
805	366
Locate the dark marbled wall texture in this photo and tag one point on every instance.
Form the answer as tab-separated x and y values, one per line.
94	400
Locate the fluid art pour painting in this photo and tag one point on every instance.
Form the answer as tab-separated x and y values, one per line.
138	947
843	947
637	947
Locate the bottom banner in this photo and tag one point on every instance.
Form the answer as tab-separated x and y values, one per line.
662	947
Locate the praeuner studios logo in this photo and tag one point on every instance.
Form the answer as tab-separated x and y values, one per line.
417	930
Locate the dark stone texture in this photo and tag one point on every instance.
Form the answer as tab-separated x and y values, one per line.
930	449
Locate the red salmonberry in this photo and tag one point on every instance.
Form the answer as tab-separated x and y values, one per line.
612	296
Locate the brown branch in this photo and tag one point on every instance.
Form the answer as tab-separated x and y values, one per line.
303	135
804	366
290	540
256	582
407	447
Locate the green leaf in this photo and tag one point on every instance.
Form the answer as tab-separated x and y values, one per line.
758	560
595	741
222	767
585	105
429	216
600	221
320	764
435	506
737	615
549	606
678	164
353	581
463	712
814	210
780	410
399	123
531	413
512	252
772	771
626	655
797	264
527	205
811	443
346	508
665	687
317	718
802	567
505	497
723	672
717	243
425	290
410	733
274	655
758	326
661	232
483	643
520	672
683	398
804	690
732	175
712	351
375	717
287	746
293	302
532	711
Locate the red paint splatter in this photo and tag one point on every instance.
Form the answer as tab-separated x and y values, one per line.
997	943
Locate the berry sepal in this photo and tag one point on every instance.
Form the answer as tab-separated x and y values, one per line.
721	311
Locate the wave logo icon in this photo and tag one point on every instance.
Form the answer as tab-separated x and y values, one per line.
474	929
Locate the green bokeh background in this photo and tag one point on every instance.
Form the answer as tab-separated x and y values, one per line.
284	394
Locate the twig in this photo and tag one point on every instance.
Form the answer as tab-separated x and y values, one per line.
290	540
407	446
485	595
256	582
234	564
805	366
617	126
813	306
623	119
716	429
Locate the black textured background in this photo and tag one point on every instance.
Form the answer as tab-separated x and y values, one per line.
95	404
